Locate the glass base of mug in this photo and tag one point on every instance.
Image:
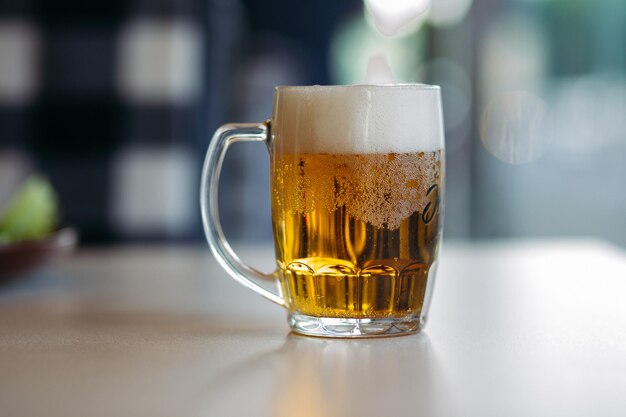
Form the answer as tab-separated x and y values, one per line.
344	327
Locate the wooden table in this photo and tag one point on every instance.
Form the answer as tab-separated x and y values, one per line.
517	328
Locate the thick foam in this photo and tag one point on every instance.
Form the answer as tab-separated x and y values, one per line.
357	119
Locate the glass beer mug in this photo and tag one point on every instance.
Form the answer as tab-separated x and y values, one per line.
357	177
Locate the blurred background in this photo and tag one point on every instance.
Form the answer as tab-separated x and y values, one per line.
115	102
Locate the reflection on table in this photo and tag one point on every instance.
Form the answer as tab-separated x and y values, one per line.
517	328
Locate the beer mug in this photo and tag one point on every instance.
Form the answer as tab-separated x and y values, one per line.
357	175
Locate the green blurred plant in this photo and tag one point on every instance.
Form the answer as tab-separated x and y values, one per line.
31	213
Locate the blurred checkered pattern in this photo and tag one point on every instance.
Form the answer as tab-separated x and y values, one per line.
115	102
105	99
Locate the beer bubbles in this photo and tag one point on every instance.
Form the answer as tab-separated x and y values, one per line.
512	128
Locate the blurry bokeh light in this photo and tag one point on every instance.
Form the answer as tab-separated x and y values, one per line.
397	17
378	71
153	190
513	56
356	43
512	127
160	61
19	61
456	88
15	166
589	114
448	12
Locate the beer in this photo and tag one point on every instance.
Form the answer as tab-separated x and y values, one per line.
357	178
356	234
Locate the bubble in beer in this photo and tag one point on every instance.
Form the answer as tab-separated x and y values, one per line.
512	127
378	71
390	17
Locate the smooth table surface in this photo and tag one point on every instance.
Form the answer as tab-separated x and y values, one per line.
516	328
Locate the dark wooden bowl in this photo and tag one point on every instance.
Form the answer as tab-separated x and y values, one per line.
19	258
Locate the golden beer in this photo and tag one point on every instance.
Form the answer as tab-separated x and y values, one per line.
357	206
356	234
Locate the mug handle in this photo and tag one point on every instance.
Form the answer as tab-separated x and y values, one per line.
222	139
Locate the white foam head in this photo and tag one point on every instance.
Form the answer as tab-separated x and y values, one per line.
394	118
